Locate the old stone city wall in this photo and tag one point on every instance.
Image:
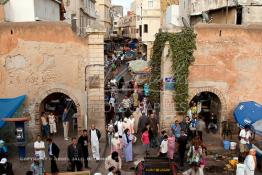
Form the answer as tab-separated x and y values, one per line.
227	63
40	58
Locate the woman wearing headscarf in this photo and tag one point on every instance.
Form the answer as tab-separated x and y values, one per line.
116	144
127	145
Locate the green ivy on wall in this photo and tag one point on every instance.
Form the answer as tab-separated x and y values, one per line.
182	46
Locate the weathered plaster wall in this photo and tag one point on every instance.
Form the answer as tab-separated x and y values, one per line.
40	58
228	62
252	14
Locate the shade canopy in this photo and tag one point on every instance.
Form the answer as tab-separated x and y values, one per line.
8	107
247	113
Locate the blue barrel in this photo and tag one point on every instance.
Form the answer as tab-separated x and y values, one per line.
226	144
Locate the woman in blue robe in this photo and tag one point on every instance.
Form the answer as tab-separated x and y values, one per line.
127	145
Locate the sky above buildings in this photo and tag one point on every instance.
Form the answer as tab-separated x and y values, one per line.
124	3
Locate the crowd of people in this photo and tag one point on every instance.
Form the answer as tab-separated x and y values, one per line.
77	152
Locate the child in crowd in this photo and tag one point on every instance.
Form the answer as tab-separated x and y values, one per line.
164	147
145	140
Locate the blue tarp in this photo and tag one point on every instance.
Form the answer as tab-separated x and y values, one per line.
8	106
247	113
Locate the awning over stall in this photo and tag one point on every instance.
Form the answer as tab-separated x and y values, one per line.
8	107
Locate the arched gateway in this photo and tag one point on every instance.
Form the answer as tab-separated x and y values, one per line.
213	101
57	95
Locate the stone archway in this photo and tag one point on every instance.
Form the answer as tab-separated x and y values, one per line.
193	92
46	93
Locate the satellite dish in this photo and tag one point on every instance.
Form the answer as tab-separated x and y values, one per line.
186	24
205	17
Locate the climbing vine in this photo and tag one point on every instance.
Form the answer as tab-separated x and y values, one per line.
182	46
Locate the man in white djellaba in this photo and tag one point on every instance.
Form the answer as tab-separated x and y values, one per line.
95	135
250	162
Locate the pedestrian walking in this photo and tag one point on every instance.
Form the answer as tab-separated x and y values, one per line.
194	108
35	167
6	167
176	128
143	121
44	124
171	146
163	133
95	135
113	160
121	84
119	125
200	127
126	102
240	170
53	152
182	141
250	162
154	125
136	114
126	124
127	145
203	160
145	141
195	152
135	100
65	119
75	155
110	132
185	125
83	141
193	125
112	100
164	147
132	123
52	123
39	147
116	144
245	135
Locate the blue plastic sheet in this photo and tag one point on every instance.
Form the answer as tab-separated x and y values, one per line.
247	113
8	107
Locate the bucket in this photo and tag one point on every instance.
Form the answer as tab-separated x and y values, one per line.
233	145
226	144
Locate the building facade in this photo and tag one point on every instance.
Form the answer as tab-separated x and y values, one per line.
104	9
226	11
230	77
47	66
118	9
81	14
151	23
33	10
